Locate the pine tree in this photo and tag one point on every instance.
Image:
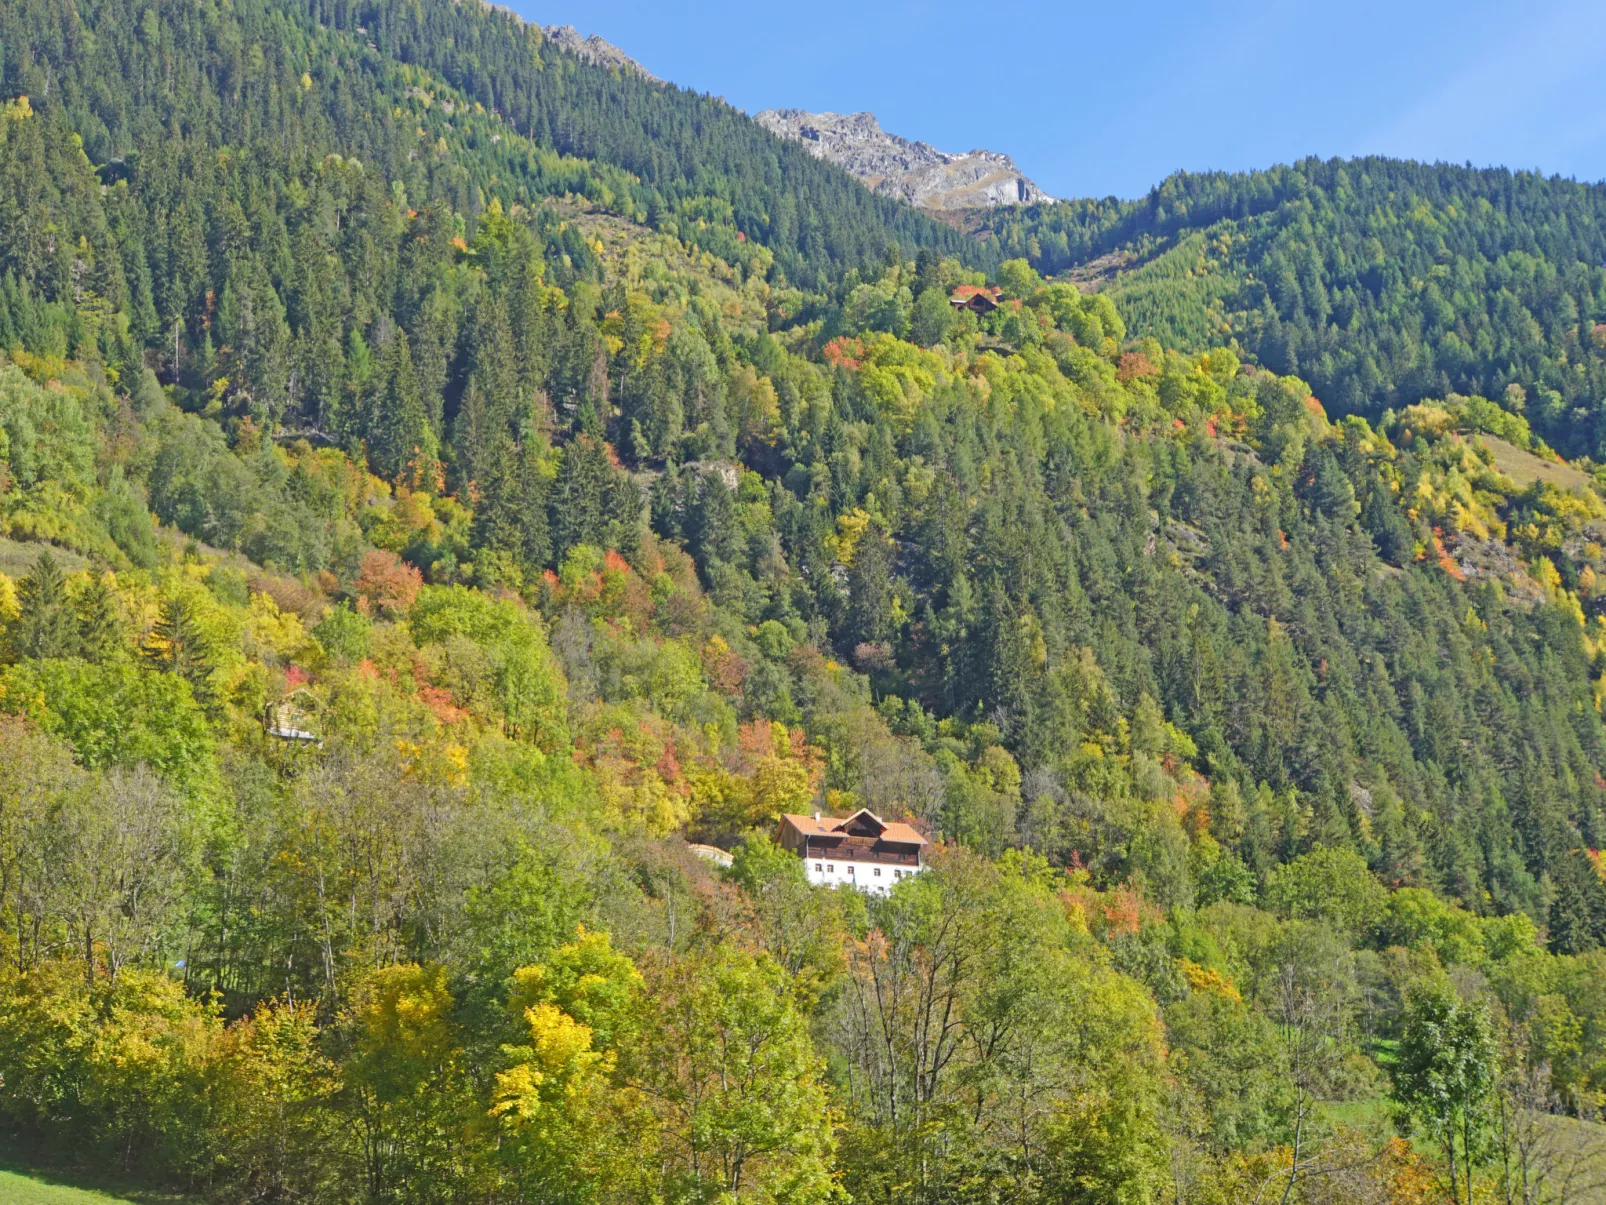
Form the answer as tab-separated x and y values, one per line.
177	645
870	586
100	626
399	430
473	441
45	628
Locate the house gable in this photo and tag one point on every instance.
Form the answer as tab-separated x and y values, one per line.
863	823
979	299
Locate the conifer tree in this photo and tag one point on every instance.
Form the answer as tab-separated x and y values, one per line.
535	535
178	645
399	429
493	370
712	527
511	515
591	502
531	324
1332	491
100	627
473	440
1578	909
870	586
252	320
45	628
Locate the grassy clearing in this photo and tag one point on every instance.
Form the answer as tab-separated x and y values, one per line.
23	1183
1569	1155
17	1189
1574	1156
17	558
1369	1114
1525	468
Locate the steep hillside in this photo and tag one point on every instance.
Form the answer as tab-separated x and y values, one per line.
1381	282
914	172
415	540
250	77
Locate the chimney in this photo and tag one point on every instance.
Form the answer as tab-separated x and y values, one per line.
816	817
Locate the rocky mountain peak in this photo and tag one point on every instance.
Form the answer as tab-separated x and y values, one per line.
594	50
916	172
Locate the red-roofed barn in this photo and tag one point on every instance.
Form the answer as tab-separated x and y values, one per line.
978	299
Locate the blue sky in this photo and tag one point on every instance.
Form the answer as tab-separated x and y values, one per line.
1108	98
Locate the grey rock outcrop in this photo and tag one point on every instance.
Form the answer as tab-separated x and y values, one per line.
916	172
594	50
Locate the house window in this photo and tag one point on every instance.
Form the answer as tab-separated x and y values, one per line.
830	868
878	872
850	870
817	868
897	874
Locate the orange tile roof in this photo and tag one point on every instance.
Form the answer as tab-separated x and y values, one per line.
830	826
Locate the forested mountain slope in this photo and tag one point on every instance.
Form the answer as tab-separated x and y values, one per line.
248	75
412	533
1380	282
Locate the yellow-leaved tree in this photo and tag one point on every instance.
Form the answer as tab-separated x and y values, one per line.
406	1086
696	1081
566	1109
278	1133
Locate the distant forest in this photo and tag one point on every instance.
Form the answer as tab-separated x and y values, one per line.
1380	282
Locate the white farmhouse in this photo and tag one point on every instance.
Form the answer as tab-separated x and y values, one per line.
862	851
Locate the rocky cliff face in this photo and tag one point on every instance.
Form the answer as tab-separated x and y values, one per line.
917	172
594	50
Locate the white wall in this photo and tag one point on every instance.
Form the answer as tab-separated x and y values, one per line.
866	876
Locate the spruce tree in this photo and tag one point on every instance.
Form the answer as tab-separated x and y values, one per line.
870	586
535	531
473	441
45	628
578	496
178	645
100	626
1010	695
494	371
497	514
531	324
399	430
1332	492
1578	908
715	535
